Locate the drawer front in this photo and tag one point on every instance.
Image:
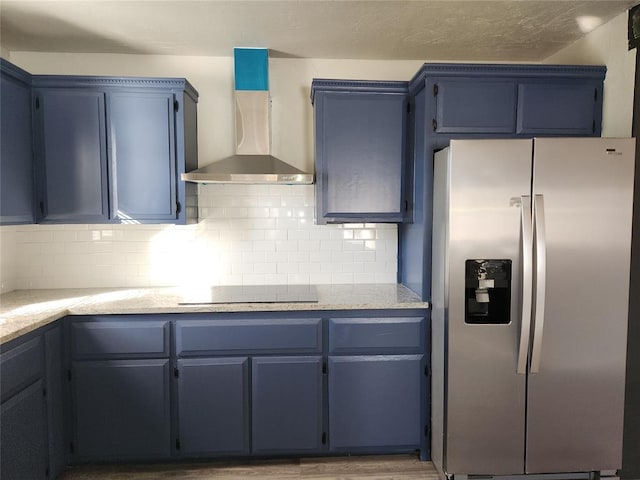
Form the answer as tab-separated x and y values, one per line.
120	338
376	335
256	336
21	366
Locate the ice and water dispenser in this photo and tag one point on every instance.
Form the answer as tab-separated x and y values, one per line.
487	291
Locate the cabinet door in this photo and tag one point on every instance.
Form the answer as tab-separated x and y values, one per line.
121	409
72	169
23	435
143	156
213	406
286	404
474	106
360	156
562	108
374	402
16	159
58	438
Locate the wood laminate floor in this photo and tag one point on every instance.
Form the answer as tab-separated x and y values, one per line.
387	467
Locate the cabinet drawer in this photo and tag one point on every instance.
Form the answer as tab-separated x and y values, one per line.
120	338
21	366
195	337
378	335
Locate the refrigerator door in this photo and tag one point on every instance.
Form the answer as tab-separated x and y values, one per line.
484	418
576	392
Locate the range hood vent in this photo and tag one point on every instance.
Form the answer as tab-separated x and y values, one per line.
253	162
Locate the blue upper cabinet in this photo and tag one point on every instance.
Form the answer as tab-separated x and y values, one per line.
112	149
563	107
360	143
143	156
511	100
71	156
484	101
16	159
484	106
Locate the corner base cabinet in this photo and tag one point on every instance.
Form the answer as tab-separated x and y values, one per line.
32	428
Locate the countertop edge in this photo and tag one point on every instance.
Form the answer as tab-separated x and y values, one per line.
31	310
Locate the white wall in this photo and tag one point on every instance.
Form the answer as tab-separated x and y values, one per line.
607	45
8	258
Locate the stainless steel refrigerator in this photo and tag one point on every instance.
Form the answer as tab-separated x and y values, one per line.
531	252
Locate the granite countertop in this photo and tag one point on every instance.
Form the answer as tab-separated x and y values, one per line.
23	311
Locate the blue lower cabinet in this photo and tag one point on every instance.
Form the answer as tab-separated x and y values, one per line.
375	403
287	398
58	438
213	406
121	409
23	427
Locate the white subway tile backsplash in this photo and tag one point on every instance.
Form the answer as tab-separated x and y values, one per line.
331	245
310	268
247	234
264	268
265	245
286	245
298	278
298	234
320	278
341	278
287	268
308	245
320	256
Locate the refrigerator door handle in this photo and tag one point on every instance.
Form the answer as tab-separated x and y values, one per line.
527	282
541	280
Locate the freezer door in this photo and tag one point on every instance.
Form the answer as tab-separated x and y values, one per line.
484	400
576	398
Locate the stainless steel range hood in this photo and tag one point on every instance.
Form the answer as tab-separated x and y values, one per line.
249	169
253	162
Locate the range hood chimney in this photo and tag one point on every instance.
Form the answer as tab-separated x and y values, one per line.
253	162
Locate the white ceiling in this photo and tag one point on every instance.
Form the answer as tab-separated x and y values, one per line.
515	30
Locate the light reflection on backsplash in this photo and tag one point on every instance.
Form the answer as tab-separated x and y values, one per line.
247	235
